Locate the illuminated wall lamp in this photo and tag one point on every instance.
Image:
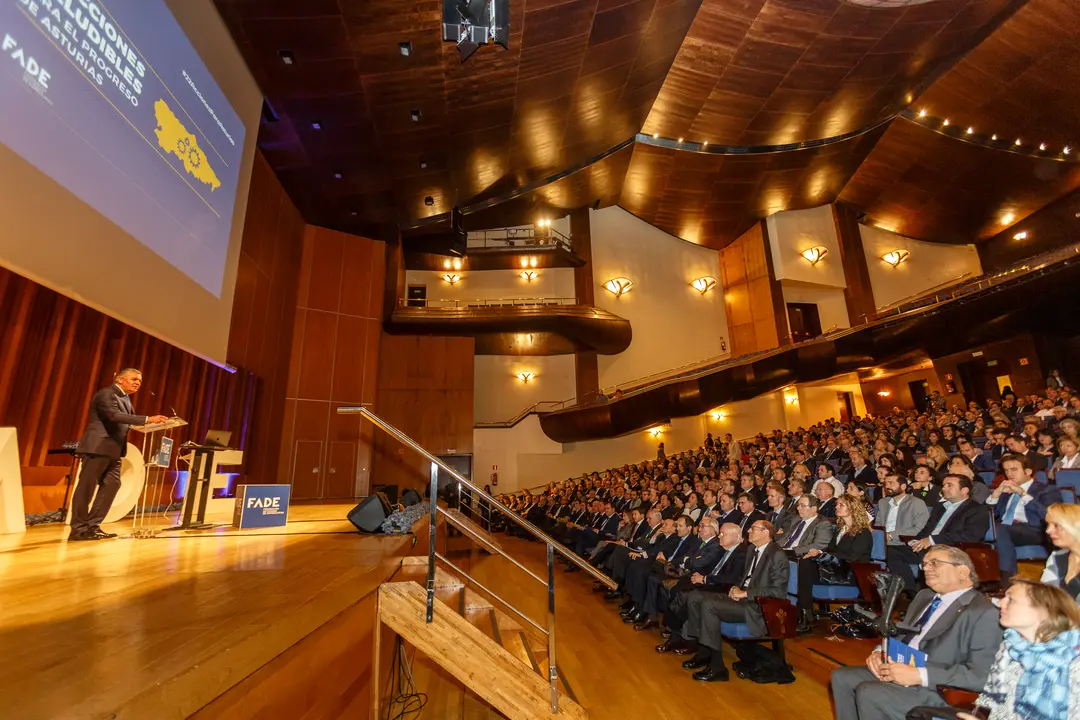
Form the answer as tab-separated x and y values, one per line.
525	376
451	278
528	275
815	254
718	415
884	393
655	432
792	399
895	257
704	284
619	286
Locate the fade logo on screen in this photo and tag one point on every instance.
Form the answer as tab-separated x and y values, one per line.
109	98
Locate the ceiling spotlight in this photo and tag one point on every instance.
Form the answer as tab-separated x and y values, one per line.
525	376
705	144
619	286
446	264
316	126
429	201
1066	150
704	284
423	164
337	176
1042	147
1007	218
655	135
457	263
680	141
895	257
451	278
970	130
287	57
1017	143
528	275
994	137
945	122
1022	235
922	113
524	262
532	261
415	115
815	254
405	48
884	393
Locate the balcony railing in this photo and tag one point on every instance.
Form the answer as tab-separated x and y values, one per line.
485	302
518	238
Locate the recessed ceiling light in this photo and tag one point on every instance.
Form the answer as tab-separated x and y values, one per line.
1066	150
287	57
353	213
970	130
1042	146
1020	235
705	144
680	140
994	137
922	113
1007	218
316	125
1017	143
945	122
337	176
415	115
429	201
423	164
405	48
655	135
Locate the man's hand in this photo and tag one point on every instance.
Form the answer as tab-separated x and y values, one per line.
874	663
156	419
920	545
812	553
697	579
736	593
901	674
635	555
660	557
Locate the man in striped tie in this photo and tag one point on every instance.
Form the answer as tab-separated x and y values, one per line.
953	623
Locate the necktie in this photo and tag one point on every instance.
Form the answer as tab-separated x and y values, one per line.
1010	509
795	535
750	572
720	565
924	619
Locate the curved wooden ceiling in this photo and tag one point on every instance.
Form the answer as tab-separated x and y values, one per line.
583	77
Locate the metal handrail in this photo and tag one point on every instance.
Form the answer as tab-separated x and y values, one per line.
492	593
486	302
553	546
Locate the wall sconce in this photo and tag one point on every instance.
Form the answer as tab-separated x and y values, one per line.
884	393
525	376
895	257
528	275
718	415
815	254
791	399
451	278
655	432
704	284
619	286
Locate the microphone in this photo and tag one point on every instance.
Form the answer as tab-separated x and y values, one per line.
171	408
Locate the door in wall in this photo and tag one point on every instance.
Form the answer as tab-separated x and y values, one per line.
846	402
804	321
979	380
917	388
417	296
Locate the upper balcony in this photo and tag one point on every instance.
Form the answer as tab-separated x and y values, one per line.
528	247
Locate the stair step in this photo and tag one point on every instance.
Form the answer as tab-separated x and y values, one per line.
473	531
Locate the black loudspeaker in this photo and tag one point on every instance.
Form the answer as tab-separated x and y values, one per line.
369	514
391	492
410	497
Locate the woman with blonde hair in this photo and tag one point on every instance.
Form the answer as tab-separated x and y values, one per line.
1036	673
1063	565
938	457
853	542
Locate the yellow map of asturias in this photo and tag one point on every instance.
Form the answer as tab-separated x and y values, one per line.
174	138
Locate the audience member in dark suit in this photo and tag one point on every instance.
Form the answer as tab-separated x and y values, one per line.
1020	504
981	461
765	575
102	447
779	514
958	519
726	573
952	622
826	495
728	511
699	561
852	543
671	555
623	555
749	512
1017	445
634	533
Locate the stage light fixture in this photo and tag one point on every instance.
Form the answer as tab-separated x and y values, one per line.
704	284
895	257
619	286
815	254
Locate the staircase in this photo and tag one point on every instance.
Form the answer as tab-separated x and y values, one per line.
501	668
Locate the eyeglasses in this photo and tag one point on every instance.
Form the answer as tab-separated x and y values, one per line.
935	564
756	527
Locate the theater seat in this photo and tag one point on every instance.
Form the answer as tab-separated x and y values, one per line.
1069	483
878	551
1031	552
780	623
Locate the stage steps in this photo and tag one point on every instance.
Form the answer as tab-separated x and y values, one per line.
473	531
482	647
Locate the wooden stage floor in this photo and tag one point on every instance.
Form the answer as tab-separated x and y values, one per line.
156	628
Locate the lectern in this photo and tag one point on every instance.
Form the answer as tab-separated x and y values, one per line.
157	456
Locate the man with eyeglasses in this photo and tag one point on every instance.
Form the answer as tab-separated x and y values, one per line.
765	574
954	624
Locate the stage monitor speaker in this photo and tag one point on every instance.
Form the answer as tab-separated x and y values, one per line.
391	492
368	516
410	497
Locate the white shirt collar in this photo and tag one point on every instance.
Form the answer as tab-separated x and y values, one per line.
124	394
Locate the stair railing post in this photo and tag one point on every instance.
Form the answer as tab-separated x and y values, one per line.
433	510
553	672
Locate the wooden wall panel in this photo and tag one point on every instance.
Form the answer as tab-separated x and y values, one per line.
858	293
756	317
426	390
57	352
333	362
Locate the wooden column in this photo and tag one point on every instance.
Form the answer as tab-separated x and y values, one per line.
757	315
858	293
586	369
776	291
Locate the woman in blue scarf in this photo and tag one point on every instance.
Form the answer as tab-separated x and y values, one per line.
1036	674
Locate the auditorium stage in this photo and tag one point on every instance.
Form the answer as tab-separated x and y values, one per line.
158	628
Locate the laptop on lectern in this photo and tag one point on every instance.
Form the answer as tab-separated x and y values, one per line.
218	438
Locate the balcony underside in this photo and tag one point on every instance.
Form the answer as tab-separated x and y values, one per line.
1039	302
539	330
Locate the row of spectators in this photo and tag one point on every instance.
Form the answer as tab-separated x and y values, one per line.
710	536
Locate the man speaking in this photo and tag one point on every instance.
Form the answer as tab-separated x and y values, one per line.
102	446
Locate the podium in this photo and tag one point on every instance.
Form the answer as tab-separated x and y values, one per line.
156	458
203	479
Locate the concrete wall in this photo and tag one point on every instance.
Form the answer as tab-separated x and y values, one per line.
832	309
928	265
794	231
499	395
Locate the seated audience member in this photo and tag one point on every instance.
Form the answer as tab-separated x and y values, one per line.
939	459
954	624
632	528
825	494
727	512
778	513
699	561
1036	674
1063	565
960	465
1020	505
1017	445
667	508
692	508
671	554
615	563
858	490
858	470
765	574
812	532
979	459
852	543
1044	444
605	527
726	573
1068	455
749	512
924	486
958	519
899	513
825	474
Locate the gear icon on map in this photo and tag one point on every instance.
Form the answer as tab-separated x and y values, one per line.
194	157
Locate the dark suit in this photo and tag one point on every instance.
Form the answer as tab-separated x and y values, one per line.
728	571
675	549
960	645
700	559
102	446
1016	533
968	523
746	521
707	610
